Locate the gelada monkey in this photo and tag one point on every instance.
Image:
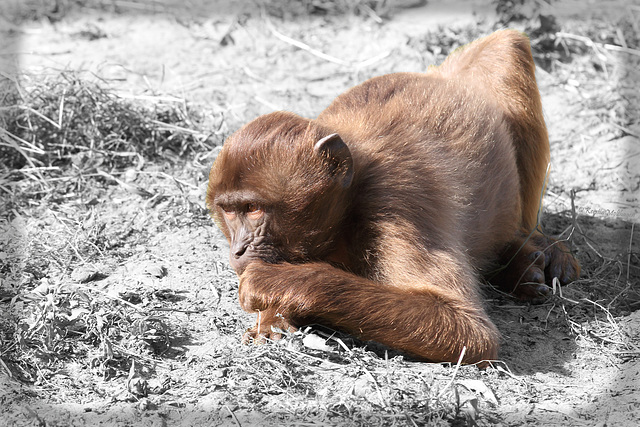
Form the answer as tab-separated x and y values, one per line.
379	217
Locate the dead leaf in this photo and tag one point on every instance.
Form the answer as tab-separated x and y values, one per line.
480	387
314	342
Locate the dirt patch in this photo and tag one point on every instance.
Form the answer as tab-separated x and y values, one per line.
117	302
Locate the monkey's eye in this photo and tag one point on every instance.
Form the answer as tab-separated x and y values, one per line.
229	213
254	212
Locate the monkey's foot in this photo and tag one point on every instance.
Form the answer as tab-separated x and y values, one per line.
530	265
523	275
559	261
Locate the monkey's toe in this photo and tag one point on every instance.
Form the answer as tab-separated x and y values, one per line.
534	293
566	270
531	287
562	264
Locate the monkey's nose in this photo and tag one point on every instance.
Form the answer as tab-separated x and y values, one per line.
239	256
239	250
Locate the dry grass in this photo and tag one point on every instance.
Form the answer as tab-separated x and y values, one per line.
371	9
65	138
65	134
67	120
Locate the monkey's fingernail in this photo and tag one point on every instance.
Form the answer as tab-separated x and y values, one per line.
543	290
536	255
537	276
538	259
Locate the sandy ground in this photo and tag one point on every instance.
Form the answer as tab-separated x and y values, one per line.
571	361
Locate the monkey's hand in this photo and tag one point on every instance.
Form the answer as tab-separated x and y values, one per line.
259	293
269	326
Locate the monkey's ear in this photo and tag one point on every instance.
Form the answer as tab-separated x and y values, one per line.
334	151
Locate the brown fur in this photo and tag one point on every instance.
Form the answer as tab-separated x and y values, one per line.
381	231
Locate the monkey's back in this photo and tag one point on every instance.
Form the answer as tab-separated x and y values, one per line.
431	152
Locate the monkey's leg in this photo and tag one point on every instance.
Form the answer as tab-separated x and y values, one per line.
430	322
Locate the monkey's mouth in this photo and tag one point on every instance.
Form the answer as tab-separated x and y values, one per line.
252	254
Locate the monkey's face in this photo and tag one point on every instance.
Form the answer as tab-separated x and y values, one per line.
256	228
247	224
278	190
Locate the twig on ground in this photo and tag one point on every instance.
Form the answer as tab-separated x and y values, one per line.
42	116
128	187
574	218
176	180
342	344
177	128
61	109
325	56
557	289
383	401
235	419
154	98
13	139
306	47
322	361
616	48
610	318
177	310
626	130
267	103
373	60
629	253
455	372
6	368
586	241
253	75
371	13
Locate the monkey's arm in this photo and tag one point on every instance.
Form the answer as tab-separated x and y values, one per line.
431	323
